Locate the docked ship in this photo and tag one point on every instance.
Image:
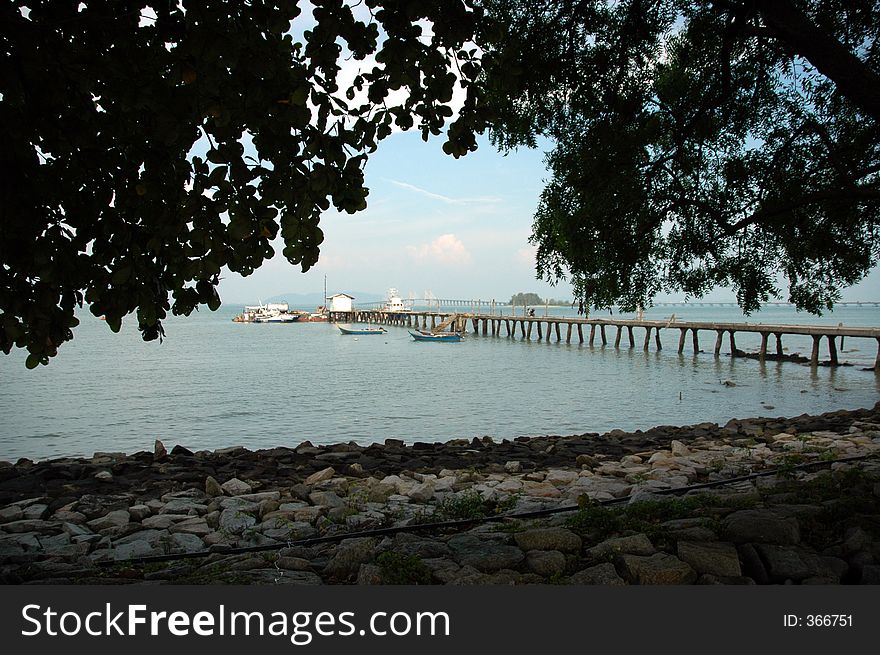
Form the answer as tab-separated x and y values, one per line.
273	312
395	303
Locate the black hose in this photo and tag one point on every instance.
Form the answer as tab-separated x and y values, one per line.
458	523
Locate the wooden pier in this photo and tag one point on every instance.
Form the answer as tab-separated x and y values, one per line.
602	330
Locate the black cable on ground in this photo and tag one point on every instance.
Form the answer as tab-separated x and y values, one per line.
459	523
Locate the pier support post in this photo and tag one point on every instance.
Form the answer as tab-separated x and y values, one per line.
604	338
549	327
617	337
877	360
718	342
592	333
522	329
696	337
832	349
681	340
529	333
433	321
778	345
476	325
632	339
762	355
558	338
581	338
657	339
568	334
732	343
540	330
814	356
647	337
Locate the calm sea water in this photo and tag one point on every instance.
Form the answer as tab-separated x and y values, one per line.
214	383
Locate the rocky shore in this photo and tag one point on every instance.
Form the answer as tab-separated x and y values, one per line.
601	511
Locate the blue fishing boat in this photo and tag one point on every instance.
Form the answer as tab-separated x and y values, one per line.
422	335
348	329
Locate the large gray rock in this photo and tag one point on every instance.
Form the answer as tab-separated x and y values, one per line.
559	539
760	526
11	513
235	521
326	499
236	487
658	569
546	563
135	550
787	563
348	557
713	557
183	506
601	574
212	487
187	543
164	521
636	544
410	545
320	476
137	512
196	526
116	518
32	525
485	555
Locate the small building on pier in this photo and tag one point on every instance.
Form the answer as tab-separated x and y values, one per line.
340	302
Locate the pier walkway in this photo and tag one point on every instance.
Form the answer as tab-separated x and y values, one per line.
545	327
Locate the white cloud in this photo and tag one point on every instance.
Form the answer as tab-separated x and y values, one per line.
445	249
446	199
527	256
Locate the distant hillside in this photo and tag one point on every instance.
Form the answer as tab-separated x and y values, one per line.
312	300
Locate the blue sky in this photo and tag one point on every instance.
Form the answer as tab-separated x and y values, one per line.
457	228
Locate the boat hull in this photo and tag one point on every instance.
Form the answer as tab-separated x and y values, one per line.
360	331
439	336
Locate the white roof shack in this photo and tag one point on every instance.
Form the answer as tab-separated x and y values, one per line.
340	302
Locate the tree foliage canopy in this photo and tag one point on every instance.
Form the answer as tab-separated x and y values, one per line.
698	143
104	103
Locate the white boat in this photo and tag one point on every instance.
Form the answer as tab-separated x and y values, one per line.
395	303
273	312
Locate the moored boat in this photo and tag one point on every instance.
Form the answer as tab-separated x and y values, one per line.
349	329
423	335
271	313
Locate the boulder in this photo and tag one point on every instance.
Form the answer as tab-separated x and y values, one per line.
713	557
601	574
546	563
560	539
236	487
657	569
760	526
196	526
348	557
212	487
235	521
637	544
187	543
487	556
320	476
114	519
